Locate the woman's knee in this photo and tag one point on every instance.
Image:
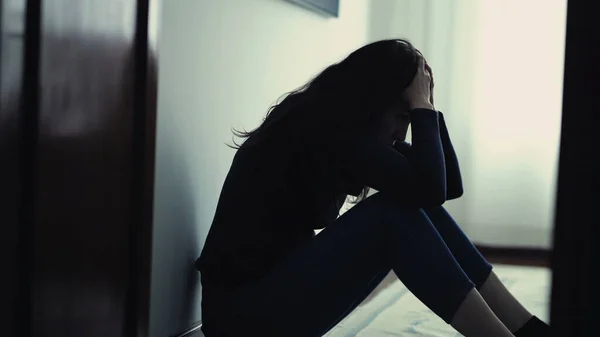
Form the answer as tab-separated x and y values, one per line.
391	210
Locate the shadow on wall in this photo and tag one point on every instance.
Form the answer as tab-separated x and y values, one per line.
175	281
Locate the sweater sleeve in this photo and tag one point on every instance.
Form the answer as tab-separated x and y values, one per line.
420	181
454	186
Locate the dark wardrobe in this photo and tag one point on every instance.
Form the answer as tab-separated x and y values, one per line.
77	126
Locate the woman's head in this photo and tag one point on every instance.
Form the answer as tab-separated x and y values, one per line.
350	97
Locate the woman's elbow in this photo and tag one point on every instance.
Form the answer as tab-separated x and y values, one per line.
455	194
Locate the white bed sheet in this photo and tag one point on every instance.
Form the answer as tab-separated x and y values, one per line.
393	311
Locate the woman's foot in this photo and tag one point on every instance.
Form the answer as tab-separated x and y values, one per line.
534	328
474	318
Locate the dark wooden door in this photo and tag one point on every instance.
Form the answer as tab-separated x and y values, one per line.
84	131
576	255
12	25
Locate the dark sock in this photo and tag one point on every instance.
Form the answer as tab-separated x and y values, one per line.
534	328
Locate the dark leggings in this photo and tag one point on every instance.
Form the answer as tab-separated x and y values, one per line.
318	285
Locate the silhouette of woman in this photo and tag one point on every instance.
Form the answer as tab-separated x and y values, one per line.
264	271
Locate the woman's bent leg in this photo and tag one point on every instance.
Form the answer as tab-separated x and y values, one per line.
508	309
470	259
316	286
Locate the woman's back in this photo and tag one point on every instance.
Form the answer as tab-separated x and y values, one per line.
275	194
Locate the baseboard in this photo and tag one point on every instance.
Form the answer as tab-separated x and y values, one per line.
502	235
517	255
193	331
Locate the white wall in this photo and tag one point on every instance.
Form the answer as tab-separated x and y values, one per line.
222	64
498	69
518	104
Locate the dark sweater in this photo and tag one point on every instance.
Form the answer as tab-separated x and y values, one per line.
277	192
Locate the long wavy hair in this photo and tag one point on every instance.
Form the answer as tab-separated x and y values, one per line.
345	100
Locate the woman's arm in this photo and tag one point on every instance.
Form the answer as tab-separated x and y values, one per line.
420	181
454	186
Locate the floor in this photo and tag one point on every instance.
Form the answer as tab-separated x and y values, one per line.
392	311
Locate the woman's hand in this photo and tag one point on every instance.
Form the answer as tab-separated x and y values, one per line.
432	84
418	93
